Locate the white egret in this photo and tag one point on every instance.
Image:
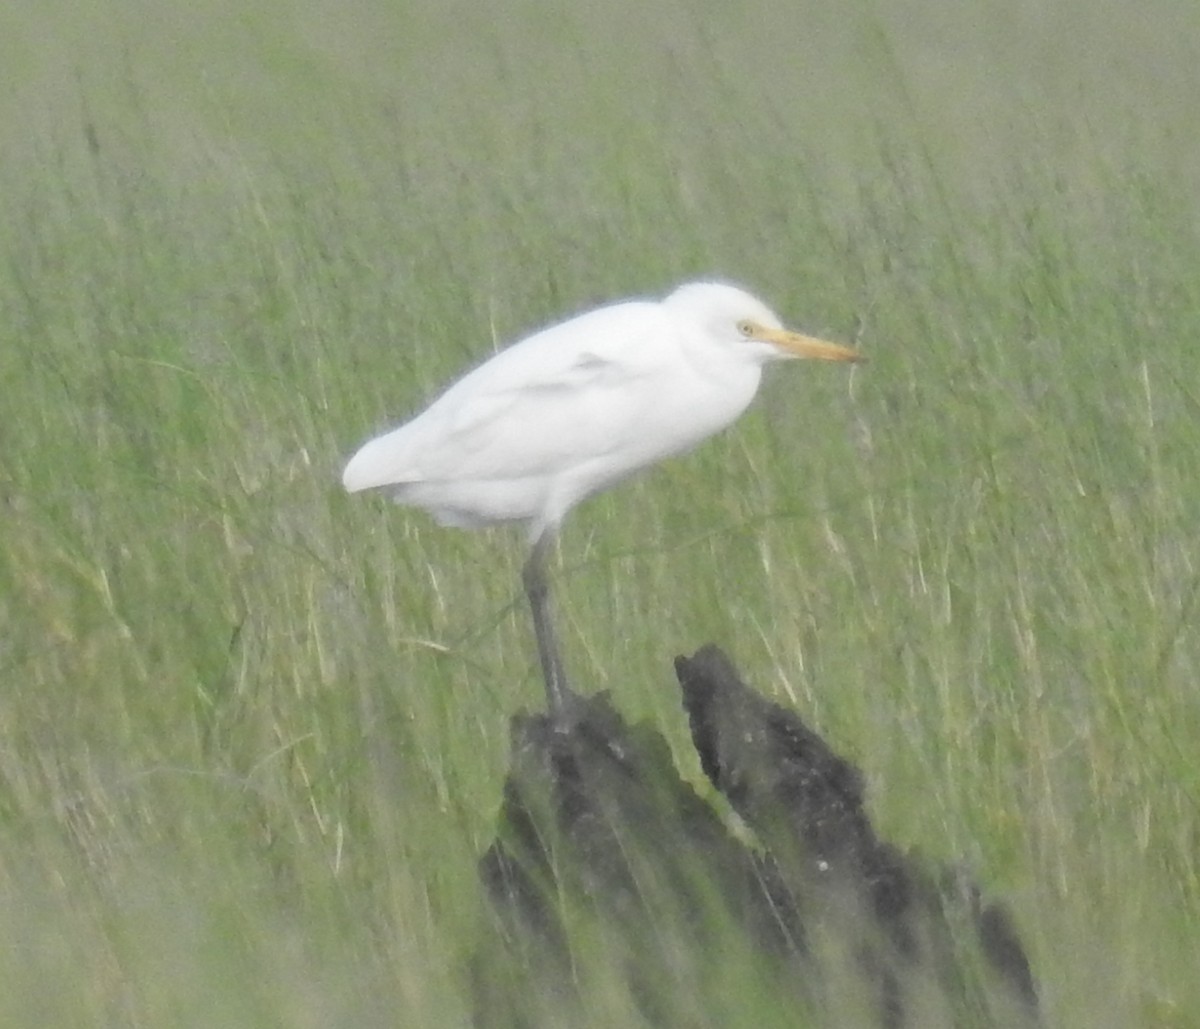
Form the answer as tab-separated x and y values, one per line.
575	408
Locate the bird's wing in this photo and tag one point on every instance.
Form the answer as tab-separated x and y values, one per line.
569	394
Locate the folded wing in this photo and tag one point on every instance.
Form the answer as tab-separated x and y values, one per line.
565	396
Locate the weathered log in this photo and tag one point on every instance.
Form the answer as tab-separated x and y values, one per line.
611	875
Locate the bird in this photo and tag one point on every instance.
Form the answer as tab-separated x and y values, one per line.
572	410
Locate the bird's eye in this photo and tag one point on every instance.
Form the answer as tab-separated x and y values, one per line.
746	328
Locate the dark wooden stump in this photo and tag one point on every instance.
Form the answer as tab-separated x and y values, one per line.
610	877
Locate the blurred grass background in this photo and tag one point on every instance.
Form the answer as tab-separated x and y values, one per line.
253	732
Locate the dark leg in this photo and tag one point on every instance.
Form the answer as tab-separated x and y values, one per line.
538	592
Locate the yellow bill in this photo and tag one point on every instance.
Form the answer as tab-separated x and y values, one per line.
799	345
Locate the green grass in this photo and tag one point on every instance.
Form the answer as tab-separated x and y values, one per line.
253	731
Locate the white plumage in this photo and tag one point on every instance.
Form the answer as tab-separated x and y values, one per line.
576	408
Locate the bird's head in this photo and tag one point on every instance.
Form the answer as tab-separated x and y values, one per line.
728	314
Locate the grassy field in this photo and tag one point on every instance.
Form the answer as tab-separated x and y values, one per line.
253	731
